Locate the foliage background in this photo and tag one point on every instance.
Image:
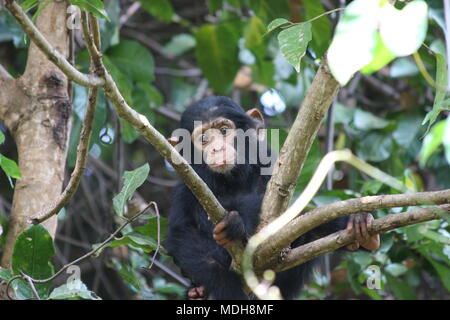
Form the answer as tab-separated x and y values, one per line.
168	54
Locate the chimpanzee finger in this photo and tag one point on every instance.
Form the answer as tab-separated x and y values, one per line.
357	228
369	221
363	225
219	236
350	223
220	226
223	242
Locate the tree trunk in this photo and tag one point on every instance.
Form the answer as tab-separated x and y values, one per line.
40	126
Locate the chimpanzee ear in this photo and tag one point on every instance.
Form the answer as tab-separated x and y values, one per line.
173	141
256	115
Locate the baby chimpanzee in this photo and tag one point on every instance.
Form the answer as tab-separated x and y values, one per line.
233	171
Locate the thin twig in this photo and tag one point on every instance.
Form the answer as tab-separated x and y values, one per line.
158	223
29	280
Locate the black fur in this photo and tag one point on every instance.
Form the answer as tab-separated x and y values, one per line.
189	239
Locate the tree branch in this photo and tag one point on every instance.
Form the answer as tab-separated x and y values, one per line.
52	54
198	187
269	249
300	138
342	238
92	43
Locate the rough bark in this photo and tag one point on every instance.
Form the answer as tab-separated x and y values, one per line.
40	125
342	238
267	253
295	150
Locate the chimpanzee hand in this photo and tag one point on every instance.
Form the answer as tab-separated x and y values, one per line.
197	293
359	224
229	229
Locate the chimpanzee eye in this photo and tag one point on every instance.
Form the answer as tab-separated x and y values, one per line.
203	139
224	130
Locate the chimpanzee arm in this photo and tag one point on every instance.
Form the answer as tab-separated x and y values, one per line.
197	255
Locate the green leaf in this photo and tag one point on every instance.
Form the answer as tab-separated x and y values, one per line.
276	24
180	44
321	28
431	142
74	290
354	42
396	269
133	59
375	147
293	43
214	5
366	121
151	228
403	31
122	80
217	55
32	255
133	180
10	167
160	9
28	4
446	139
96	7
310	166
129	275
254	32
403	67
433	235
400	288
2	137
137	240
382	57
442	270
407	129
129	133
5	274
441	91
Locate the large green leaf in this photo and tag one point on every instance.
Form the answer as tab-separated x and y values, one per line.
151	228
74	290
96	7
275	24
446	139
375	147
441	91
400	288
382	56
403	31
10	167
364	120
254	32
407	129
133	180
160	9
133	59
179	44
354	42
431	142
294	41
321	28
32	255
217	55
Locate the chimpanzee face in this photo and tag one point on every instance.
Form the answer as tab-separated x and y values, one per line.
221	133
216	141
